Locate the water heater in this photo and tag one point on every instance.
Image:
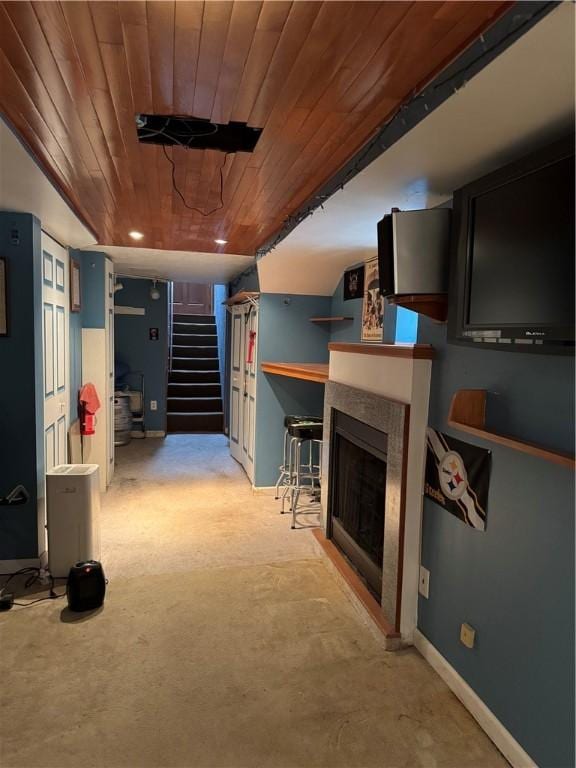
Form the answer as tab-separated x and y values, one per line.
73	516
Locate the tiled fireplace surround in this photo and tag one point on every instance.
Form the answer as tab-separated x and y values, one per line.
387	387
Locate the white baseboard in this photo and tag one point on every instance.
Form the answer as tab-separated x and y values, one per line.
489	723
155	433
10	566
265	489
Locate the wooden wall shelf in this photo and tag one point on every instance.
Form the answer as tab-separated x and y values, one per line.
468	413
434	305
328	319
317	372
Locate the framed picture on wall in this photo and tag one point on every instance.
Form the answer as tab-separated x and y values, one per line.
354	283
75	296
3	299
373	306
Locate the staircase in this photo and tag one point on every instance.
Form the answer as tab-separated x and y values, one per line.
194	391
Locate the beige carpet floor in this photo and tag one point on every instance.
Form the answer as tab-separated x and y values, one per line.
226	641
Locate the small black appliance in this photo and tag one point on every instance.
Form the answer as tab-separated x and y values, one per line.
86	586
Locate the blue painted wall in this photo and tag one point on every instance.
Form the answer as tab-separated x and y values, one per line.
515	582
348	331
220	295
398	326
406	326
223	330
133	345
286	334
21	404
93	285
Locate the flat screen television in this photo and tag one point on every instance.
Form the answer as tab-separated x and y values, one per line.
513	254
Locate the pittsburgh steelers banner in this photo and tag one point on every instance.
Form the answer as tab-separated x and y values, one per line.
457	477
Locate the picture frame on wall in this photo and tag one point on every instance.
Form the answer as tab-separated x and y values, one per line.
3	298
75	293
354	283
373	304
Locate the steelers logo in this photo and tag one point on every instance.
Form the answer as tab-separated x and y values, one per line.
452	475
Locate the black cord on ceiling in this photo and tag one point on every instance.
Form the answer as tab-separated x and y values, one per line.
181	196
456	79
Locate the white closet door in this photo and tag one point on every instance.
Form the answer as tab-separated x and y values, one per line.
243	386
249	397
56	352
236	382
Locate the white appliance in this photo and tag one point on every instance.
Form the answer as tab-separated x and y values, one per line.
413	251
73	515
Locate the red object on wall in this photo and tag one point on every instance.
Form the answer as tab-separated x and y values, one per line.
87	422
251	345
89	404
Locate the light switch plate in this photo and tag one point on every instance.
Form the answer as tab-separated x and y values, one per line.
424	582
153	405
467	635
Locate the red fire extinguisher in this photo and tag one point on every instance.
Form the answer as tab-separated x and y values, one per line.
89	404
87	421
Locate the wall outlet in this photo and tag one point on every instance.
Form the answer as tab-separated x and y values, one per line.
424	582
153	405
467	635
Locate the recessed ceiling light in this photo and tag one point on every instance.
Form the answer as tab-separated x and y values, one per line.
221	242
136	235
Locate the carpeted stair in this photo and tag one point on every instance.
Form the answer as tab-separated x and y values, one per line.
194	389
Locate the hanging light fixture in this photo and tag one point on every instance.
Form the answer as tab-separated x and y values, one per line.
154	292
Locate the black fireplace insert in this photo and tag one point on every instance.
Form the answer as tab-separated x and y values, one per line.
357	495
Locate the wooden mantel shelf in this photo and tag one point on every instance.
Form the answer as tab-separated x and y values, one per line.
434	305
317	372
409	351
468	412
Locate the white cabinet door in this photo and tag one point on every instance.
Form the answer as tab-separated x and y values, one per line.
236	382
249	395
243	386
55	350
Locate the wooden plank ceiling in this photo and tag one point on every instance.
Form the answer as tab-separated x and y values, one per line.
318	77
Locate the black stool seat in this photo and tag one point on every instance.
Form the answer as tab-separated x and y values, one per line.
288	420
306	430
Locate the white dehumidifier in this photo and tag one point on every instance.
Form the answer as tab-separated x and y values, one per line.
73	516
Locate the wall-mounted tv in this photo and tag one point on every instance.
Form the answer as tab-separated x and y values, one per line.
513	254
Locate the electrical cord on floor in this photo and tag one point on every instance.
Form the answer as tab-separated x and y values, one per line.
52	596
33	576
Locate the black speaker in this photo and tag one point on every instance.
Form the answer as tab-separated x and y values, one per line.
86	586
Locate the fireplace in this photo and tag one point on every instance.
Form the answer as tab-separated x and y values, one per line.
385	387
358	464
363	501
